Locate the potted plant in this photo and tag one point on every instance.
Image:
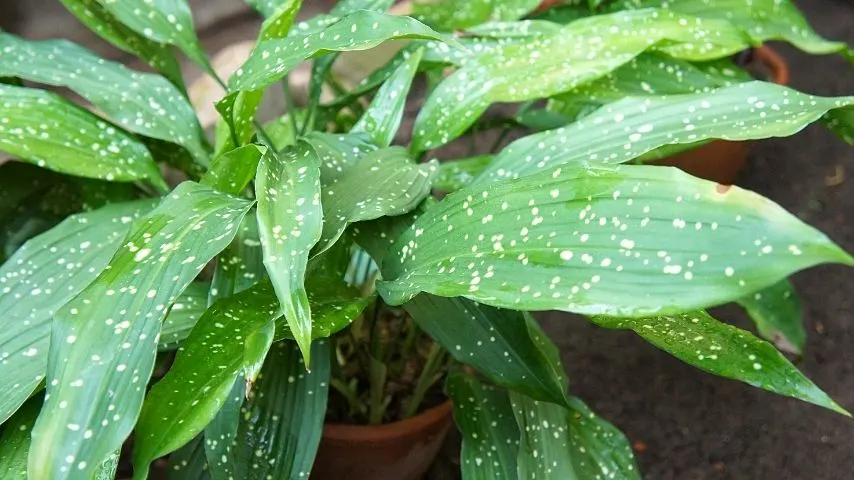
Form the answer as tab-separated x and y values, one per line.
341	289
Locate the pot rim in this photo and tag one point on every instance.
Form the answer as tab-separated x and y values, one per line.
774	62
389	431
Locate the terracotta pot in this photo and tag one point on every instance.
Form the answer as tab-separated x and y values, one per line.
721	160
401	450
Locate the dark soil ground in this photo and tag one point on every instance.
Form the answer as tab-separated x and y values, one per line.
696	426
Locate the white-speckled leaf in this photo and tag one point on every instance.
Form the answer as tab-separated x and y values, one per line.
569	443
279	20
162	21
339	153
209	361
505	30
506	346
241	265
459	173
104	342
43	275
484	416
726	351
290	220
621	131
181	405
51	132
238	268
778	315
189	462
220	432
15	441
99	20
581	52
589	240
183	315
448	15
273	59
762	20
382	117
648	75
280	425
143	103
385	182
232	171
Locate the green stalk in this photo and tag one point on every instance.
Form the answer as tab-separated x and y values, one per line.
290	105
425	380
378	372
349	394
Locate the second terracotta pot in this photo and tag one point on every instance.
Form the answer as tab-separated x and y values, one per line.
401	450
721	160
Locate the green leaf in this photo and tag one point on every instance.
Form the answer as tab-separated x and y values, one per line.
448	15
726	351
334	306
42	276
506	346
631	127
161	21
344	7
279	20
382	118
271	60
841	122
588	240
241	264
518	29
100	21
237	269
456	174
281	424
266	7
180	405
290	219
220	432
107	469
762	20
232	171
15	441
282	132
339	153
183	315
378	76
103	342
581	52
569	443
778	315
51	132
484	416
648	75
142	103
189	463
238	113
385	182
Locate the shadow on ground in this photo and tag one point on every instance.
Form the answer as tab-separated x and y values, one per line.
696	426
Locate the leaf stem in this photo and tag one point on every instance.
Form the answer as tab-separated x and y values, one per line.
425	380
290	105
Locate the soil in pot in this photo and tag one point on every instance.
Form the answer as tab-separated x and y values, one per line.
721	160
398	436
